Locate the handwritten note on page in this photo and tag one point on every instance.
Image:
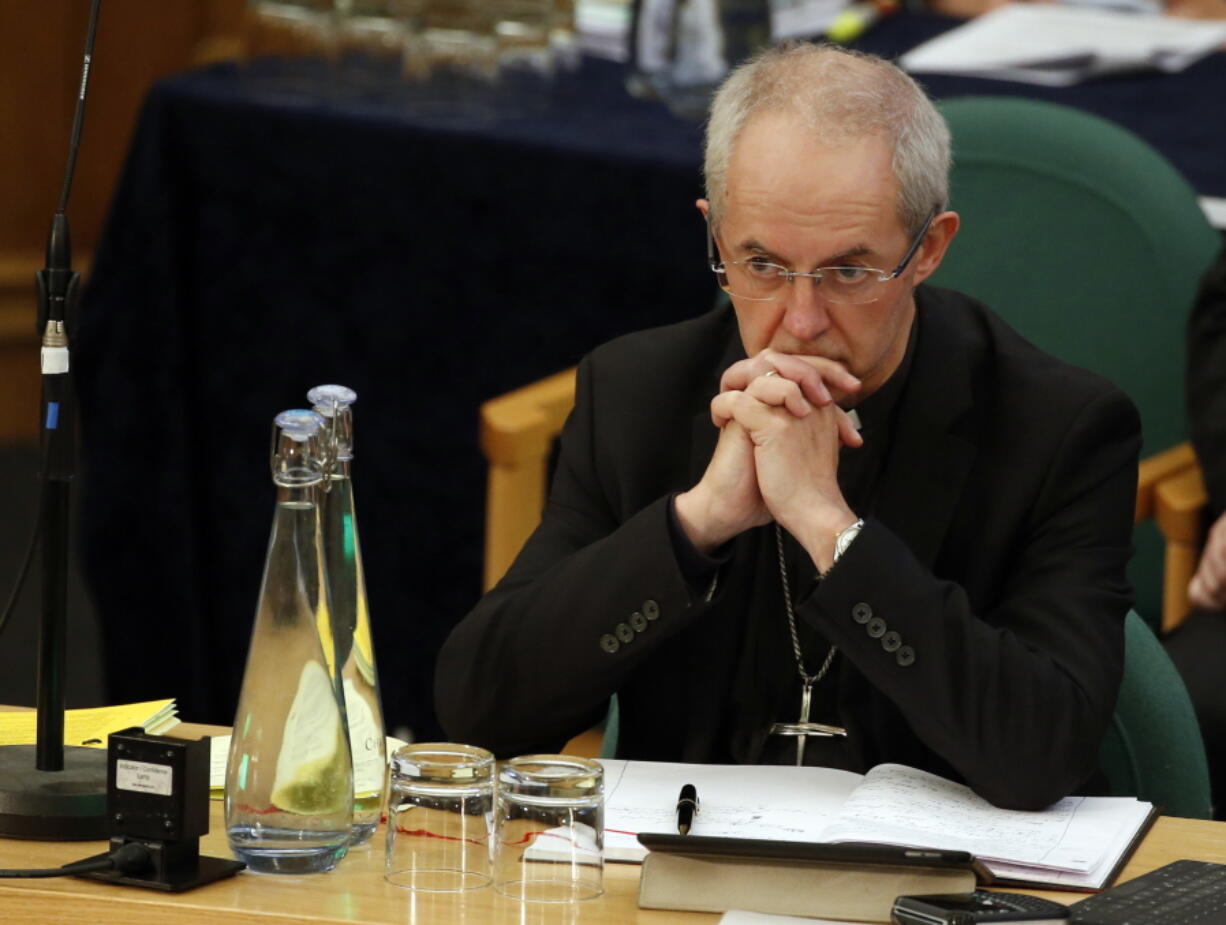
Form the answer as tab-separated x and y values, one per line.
735	801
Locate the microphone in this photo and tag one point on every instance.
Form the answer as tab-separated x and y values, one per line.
48	791
58	285
56	281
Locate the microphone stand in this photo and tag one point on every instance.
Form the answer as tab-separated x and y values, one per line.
46	790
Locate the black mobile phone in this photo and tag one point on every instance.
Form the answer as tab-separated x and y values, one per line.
980	906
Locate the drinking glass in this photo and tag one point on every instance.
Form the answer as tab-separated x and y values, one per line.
522	29
439	817
459	41
549	828
292	28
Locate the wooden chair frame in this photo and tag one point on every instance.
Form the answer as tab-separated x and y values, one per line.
517	434
1180	507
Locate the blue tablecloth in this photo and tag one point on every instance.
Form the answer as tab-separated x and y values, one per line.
262	242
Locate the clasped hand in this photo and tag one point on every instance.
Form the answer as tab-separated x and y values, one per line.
777	454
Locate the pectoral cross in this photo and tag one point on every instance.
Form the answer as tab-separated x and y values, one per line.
803	729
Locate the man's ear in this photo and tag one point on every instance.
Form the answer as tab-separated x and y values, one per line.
704	207
930	254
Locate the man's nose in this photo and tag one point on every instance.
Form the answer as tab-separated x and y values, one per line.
807	314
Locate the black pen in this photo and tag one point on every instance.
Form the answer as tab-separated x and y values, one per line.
687	805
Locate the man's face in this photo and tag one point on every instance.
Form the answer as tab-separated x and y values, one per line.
803	204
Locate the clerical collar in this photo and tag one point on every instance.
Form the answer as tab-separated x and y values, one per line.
879	407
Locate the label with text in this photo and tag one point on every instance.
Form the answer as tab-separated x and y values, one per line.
143	777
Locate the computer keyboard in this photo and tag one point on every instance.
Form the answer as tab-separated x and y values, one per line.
1181	893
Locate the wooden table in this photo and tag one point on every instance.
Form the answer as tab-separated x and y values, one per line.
356	893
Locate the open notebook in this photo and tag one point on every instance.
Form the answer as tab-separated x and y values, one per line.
1077	843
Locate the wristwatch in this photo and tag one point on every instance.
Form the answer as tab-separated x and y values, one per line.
846	535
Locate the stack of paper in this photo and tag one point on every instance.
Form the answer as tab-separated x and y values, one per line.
1044	43
91	727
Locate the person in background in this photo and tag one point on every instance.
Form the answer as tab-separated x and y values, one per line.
1198	645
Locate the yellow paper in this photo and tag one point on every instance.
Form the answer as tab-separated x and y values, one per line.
91	727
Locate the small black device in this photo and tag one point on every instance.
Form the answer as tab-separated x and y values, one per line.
979	906
1188	892
157	791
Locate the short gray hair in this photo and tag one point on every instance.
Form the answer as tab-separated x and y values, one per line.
841	95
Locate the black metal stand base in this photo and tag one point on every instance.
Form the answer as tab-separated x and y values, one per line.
205	870
67	805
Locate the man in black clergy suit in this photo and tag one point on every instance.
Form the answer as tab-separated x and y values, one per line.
845	521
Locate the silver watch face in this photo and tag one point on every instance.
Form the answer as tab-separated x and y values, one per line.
846	535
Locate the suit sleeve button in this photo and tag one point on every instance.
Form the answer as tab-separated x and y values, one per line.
651	610
624	632
876	628
638	622
905	656
609	643
862	613
891	641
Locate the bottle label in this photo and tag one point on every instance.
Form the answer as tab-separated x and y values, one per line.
366	740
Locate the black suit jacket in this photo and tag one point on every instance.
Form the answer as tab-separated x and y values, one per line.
996	553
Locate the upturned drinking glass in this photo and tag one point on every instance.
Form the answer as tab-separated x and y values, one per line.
439	817
549	829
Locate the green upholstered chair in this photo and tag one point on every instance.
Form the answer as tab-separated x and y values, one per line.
608	745
1090	244
1153	748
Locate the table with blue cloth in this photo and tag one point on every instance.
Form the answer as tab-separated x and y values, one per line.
263	241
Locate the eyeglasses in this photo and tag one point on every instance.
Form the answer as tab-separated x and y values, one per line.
759	280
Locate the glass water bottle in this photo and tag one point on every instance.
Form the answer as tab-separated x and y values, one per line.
350	623
289	782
